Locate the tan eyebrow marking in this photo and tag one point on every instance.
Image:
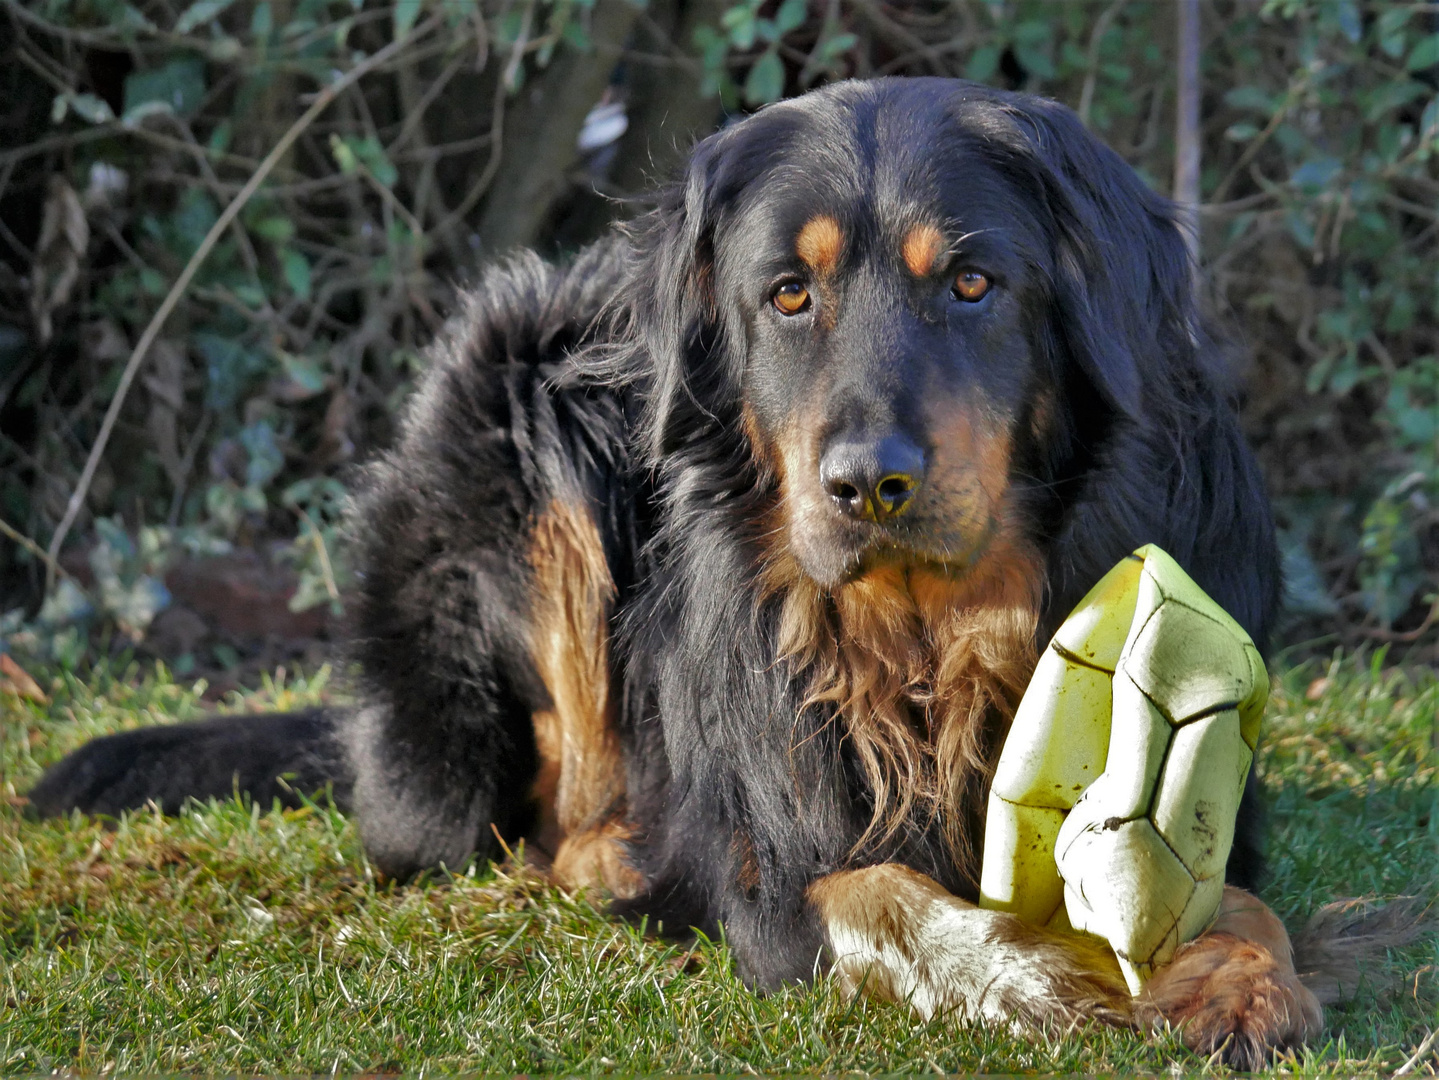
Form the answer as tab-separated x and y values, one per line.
922	246
819	243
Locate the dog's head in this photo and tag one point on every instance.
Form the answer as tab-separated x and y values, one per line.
917	300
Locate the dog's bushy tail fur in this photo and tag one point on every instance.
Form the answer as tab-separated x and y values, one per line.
1343	947
271	756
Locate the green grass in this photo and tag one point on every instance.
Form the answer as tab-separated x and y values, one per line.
239	941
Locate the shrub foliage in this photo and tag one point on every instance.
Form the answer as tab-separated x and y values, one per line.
128	127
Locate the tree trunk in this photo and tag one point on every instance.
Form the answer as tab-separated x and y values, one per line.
1186	128
541	125
666	112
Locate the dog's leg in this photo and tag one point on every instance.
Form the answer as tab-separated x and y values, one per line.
581	782
900	936
1234	990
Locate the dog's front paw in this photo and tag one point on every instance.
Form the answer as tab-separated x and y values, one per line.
1038	978
1231	996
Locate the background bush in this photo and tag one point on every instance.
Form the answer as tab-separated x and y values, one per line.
125	128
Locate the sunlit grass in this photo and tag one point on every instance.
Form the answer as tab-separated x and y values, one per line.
239	941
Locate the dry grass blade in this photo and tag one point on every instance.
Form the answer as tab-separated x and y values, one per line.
1419	1054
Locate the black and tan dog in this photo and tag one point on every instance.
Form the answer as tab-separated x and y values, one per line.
714	563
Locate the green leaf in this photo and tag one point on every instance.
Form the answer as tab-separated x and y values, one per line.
296	269
983	63
741	23
1249	97
229	367
1304	589
344	155
94	109
790	16
306	372
576	37
262	22
1402	310
192	220
406	11
350	153
152	282
1350	23
274	228
1392	21
1420	426
765	82
1035	60
223	49
1316	174
179	85
1425	54
1391	95
1032	33
199	13
1239	226
835	47
373	155
219	140
266	457
508	30
251	295
1301	230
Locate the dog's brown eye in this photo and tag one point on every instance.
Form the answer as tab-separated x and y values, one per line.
971	285
791	298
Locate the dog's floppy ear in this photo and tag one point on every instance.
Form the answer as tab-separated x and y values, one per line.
1123	276
674	303
692	373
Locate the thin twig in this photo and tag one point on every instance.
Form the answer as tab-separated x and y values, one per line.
242	235
898	35
415	115
1234	206
1186	128
187	466
172	298
1404	637
1091	74
61	142
509	81
35	549
83	37
477	192
1257	143
391	200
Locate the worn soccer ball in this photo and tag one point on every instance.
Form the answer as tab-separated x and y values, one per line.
1113	806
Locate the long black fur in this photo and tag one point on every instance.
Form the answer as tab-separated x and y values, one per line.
277	756
616	382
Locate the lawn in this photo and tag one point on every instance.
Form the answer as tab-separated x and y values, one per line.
242	940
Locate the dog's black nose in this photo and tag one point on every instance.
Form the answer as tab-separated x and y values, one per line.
872	481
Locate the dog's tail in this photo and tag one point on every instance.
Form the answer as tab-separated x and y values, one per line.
283	756
1343	948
